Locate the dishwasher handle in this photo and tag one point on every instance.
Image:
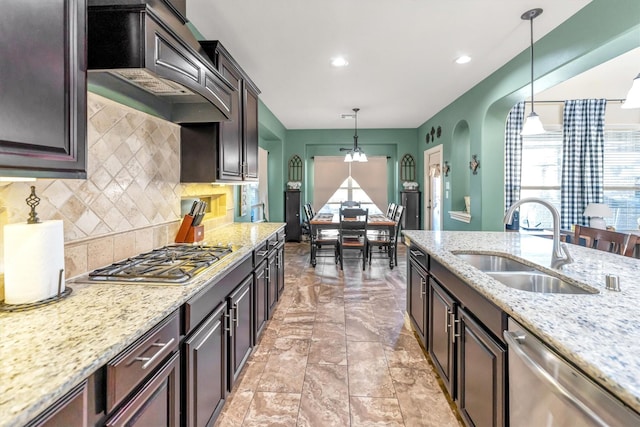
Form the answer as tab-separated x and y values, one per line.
513	340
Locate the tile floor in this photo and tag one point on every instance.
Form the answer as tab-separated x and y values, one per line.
338	352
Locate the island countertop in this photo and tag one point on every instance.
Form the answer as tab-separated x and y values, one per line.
599	333
44	352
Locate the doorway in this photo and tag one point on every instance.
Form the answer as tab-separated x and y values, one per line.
433	189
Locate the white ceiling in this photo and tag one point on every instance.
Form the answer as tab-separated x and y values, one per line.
401	52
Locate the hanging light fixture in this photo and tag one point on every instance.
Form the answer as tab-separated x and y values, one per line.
532	124
633	97
355	154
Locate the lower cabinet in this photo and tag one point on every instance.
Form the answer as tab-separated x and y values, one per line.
241	328
70	410
464	340
205	354
280	268
442	334
272	282
260	289
417	298
481	375
157	403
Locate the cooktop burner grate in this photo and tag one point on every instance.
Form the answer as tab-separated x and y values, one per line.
170	264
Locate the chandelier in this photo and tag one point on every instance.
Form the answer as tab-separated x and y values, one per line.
355	154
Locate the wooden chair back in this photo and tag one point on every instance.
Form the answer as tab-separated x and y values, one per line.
390	210
606	240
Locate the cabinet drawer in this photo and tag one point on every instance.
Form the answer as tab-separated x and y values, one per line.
260	253
483	309
132	366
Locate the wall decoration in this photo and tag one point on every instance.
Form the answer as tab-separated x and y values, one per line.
295	168
446	168
243	200
439	131
474	164
427	138
433	133
407	168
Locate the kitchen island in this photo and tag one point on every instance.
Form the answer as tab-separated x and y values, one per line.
46	351
599	333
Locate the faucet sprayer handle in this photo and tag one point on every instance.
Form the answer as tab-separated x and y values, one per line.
565	251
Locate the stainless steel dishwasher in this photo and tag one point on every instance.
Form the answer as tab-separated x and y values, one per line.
545	390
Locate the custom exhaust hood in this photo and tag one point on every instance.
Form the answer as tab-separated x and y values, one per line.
142	54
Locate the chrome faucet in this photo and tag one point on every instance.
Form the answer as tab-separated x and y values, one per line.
560	255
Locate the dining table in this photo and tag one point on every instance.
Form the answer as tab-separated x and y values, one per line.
331	221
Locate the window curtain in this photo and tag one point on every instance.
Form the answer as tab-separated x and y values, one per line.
372	178
513	154
329	172
263	181
582	159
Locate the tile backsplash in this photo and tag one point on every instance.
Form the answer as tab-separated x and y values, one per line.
130	201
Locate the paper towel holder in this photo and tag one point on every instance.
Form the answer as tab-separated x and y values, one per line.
32	202
27	306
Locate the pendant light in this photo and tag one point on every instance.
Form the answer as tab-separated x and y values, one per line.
356	154
532	124
633	97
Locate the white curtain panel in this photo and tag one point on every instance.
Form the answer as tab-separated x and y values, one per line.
372	177
329	172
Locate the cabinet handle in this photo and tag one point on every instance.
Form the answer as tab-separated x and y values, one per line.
423	287
262	253
148	361
456	328
267	276
228	327
416	253
236	318
447	318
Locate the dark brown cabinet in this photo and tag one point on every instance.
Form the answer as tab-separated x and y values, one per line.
411	202
241	330
417	297
272	282
293	227
205	354
226	151
481	372
280	267
43	113
442	334
463	337
157	403
260	283
69	411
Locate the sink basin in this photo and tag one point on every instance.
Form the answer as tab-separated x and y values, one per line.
491	262
536	281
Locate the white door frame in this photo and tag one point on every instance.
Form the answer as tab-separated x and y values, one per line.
427	186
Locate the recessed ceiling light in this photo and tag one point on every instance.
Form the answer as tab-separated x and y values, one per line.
463	59
339	61
347	116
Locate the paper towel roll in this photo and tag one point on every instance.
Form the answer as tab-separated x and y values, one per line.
33	257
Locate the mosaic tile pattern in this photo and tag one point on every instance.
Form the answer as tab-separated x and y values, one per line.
130	201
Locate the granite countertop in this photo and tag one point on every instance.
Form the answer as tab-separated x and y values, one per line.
600	333
46	351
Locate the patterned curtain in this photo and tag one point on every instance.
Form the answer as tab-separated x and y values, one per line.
582	158
513	154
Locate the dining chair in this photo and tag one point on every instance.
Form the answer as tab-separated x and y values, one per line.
382	239
322	242
349	204
391	208
353	234
605	240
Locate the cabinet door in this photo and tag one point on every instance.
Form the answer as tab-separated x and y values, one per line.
43	113
441	334
481	375
280	268
69	411
241	307
250	134
260	292
411	203
230	143
205	354
417	300
157	403
293	228
272	284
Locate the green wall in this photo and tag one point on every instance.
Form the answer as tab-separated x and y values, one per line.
472	124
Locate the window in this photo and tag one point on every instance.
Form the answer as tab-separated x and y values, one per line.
350	190
541	177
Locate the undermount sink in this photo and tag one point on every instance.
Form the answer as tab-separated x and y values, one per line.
491	262
518	275
536	281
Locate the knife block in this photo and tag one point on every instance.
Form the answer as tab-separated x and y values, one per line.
195	234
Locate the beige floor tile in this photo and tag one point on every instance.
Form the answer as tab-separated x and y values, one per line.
374	412
272	410
235	409
328	352
368	372
325	397
285	367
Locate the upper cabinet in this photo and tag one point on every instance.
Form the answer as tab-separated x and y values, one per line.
226	151
43	88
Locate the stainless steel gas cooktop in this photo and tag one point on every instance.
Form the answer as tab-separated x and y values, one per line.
174	264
